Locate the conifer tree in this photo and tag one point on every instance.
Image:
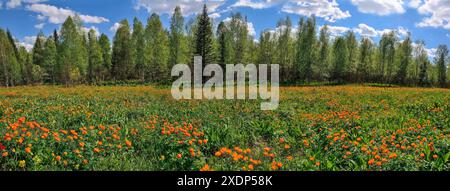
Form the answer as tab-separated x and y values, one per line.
204	37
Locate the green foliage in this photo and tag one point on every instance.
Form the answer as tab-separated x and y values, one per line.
122	57
204	38
156	51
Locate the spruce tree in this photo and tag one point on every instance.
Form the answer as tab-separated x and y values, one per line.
204	38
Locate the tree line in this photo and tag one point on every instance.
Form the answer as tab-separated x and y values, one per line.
147	53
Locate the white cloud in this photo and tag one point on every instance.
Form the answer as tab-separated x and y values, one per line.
257	4
366	30
28	42
448	36
431	52
215	15
115	27
380	7
57	15
87	29
39	26
336	31
438	12
326	9
1	4
188	7
415	3
11	4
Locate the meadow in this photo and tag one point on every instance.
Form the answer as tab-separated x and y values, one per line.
336	128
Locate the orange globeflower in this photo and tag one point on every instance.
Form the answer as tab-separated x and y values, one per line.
205	168
287	146
281	140
128	143
250	167
179	155
81	144
58	158
218	154
22	119
435	156
5	154
422	155
28	150
371	161
317	163
393	156
96	150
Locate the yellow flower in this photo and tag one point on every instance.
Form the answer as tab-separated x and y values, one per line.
22	164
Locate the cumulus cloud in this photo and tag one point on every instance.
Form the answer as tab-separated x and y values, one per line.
336	31
326	9
115	27
380	7
1	4
438	12
87	29
368	31
28	42
431	52
39	26
11	4
57	15
258	4
365	30
188	7
414	3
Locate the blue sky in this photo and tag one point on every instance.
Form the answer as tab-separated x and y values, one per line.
427	20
